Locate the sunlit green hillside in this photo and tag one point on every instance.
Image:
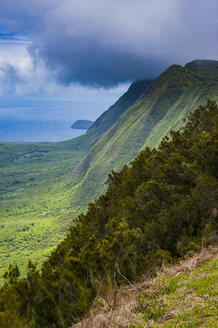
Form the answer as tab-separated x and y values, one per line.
162	107
36	188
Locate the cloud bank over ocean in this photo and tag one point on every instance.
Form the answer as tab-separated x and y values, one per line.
104	43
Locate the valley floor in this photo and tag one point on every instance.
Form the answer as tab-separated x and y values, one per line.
182	295
35	198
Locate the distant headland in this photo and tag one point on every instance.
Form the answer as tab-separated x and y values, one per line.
81	124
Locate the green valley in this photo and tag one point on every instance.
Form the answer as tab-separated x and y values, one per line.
36	190
35	200
108	164
44	186
155	211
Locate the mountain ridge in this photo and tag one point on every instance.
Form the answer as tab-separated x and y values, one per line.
200	66
161	107
108	118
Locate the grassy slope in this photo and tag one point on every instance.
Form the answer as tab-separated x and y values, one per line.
35	194
201	66
184	300
163	106
109	117
184	295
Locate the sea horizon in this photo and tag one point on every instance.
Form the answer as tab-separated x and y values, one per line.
35	130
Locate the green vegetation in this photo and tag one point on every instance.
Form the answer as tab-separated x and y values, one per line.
109	117
162	107
44	186
35	200
207	69
186	300
157	209
37	189
112	115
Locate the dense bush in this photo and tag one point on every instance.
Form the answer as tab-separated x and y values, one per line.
155	210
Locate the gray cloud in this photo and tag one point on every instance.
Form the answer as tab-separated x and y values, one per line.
106	42
9	78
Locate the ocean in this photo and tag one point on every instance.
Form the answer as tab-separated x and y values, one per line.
19	130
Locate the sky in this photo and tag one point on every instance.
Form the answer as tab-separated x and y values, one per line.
86	53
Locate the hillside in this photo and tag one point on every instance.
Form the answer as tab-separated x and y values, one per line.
205	69
154	211
162	107
109	117
182	295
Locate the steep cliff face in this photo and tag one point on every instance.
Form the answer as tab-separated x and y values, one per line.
108	118
161	107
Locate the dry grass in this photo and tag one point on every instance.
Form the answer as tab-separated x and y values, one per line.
128	306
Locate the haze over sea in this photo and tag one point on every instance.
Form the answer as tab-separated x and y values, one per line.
44	121
22	130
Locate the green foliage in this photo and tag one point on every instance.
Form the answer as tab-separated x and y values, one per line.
34	200
11	276
162	107
152	210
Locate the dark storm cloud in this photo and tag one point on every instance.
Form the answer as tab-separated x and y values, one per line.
99	67
103	43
